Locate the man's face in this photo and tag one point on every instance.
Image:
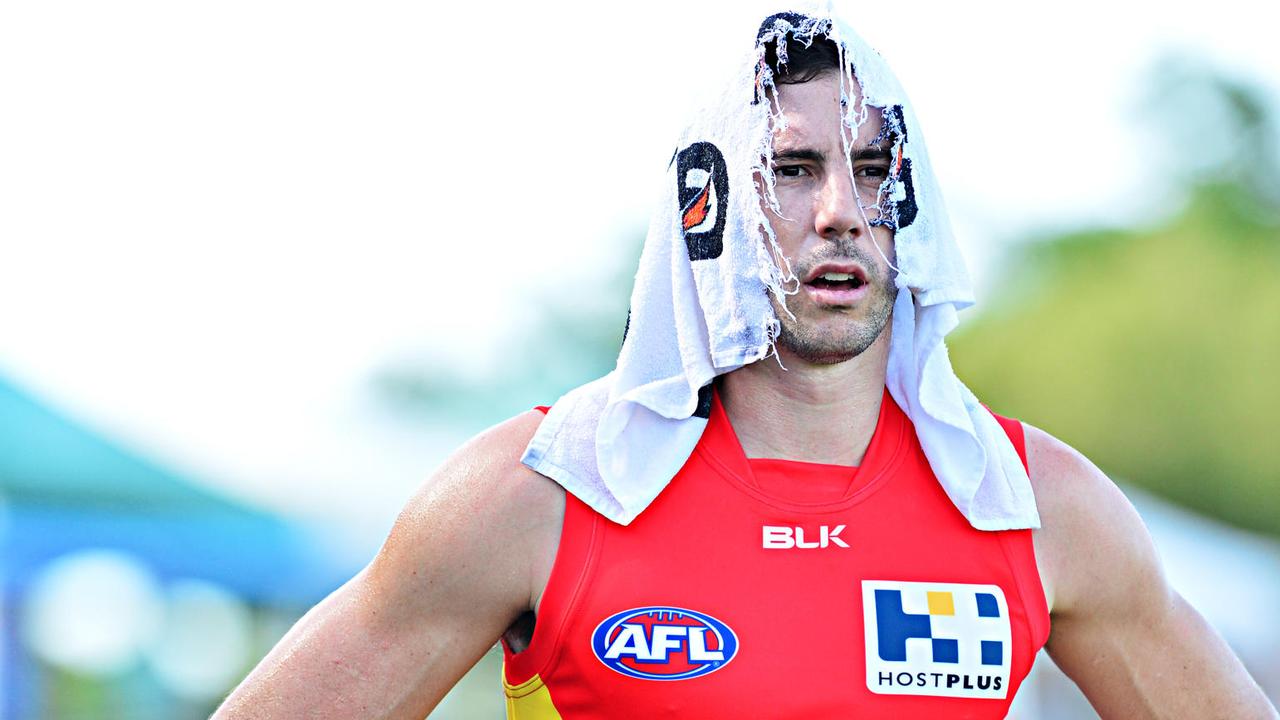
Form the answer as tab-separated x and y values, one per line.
846	286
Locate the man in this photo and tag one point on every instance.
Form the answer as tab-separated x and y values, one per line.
812	557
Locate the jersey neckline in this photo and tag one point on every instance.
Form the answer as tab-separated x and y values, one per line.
803	482
724	453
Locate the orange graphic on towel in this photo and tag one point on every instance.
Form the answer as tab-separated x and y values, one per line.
697	212
699	199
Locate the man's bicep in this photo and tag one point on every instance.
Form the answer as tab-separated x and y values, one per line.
1169	663
1132	644
448	581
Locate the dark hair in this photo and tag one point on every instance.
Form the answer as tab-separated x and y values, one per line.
809	51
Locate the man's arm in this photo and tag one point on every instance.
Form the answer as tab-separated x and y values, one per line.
468	555
1131	643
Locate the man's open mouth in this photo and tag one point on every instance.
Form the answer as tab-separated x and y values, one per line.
837	281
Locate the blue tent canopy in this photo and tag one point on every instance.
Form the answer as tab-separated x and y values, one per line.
64	488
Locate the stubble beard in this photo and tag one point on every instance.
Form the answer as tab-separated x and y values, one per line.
814	345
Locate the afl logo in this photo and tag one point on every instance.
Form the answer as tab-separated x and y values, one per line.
702	189
663	643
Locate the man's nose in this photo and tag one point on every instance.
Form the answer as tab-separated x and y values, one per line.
838	211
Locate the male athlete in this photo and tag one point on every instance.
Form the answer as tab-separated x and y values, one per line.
805	561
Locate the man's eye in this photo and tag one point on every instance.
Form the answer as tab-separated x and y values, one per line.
791	171
872	171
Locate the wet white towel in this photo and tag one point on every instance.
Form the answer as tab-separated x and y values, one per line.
699	309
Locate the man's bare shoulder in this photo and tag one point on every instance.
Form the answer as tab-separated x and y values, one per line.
1070	490
1090	531
467	557
485	475
483	516
1127	638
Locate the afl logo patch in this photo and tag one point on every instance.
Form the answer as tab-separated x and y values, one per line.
702	189
663	643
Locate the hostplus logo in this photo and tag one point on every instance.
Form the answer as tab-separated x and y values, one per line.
945	639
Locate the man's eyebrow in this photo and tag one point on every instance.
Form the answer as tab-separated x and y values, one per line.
816	156
870	152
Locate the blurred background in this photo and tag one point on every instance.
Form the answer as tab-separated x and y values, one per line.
264	265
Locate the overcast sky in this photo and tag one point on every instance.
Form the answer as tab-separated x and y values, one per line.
218	219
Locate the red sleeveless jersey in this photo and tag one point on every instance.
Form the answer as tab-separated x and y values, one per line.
770	588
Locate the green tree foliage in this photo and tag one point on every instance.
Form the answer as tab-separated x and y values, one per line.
1156	351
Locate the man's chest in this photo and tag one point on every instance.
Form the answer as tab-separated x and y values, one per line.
717	594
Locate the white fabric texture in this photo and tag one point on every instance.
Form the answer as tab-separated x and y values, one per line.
700	307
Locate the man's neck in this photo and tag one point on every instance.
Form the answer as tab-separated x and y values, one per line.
807	412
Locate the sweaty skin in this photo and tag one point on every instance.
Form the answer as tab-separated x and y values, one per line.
472	551
468	555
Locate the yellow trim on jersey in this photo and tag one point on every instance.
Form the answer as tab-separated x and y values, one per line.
530	700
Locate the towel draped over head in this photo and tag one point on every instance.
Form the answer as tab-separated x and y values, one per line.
701	307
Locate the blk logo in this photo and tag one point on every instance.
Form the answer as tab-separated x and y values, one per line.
785	537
